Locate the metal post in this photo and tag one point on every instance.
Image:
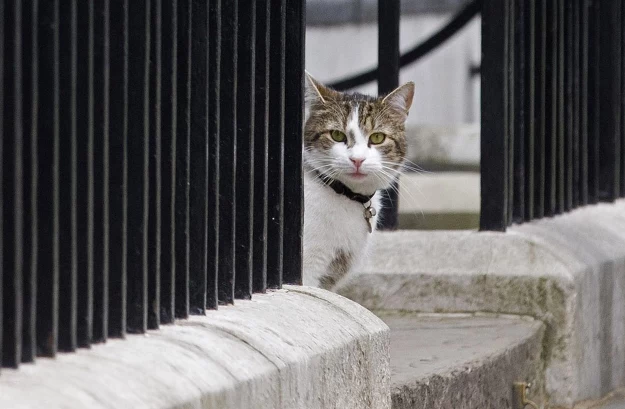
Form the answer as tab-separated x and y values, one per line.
388	80
294	117
275	209
494	140
610	102
245	148
227	150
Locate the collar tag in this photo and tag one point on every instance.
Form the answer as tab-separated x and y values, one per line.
369	213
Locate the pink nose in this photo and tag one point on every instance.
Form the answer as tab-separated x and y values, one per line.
357	162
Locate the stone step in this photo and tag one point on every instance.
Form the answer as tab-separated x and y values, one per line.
566	271
462	361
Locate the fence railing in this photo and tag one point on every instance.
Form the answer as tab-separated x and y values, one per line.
450	29
553	104
151	167
553	107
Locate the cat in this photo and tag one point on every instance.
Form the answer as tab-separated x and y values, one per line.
354	146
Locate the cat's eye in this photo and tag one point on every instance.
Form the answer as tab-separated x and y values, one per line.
377	138
338	136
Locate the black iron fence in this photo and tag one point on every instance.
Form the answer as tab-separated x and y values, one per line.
553	103
553	107
151	165
151	150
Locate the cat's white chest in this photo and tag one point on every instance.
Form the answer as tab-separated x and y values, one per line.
333	225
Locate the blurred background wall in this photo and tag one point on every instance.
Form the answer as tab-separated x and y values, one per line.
341	39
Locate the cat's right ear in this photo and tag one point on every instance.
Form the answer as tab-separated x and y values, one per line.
317	92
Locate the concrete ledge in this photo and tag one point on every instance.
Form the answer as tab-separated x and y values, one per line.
293	348
463	361
568	271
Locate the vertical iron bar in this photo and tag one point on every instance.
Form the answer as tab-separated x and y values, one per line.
388	80
520	124
494	140
183	133
261	144
561	128
85	177
594	97
12	184
101	170
198	209
47	156
118	118
622	125
30	187
576	102
510	78
551	104
275	192
169	80
294	118
511	74
2	193
539	116
530	111
214	50
227	151
155	184
610	102
246	55
138	163
569	110
584	106
68	176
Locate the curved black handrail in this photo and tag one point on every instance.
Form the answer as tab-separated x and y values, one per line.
465	15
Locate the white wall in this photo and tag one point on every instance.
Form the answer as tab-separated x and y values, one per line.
445	93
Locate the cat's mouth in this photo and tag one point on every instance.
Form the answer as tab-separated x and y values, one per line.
357	175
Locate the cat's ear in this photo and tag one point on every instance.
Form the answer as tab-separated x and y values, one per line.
317	92
401	98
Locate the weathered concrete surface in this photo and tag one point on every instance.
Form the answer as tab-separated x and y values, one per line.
615	400
294	348
443	201
568	271
462	361
613	405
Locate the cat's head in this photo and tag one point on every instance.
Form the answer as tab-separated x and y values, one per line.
356	139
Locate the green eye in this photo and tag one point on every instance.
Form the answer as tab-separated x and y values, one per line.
338	136
377	138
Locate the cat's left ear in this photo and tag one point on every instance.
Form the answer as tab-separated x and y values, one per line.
401	98
317	92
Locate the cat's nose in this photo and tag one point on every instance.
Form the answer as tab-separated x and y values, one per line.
357	162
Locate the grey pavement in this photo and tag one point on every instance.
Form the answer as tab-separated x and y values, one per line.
461	361
616	401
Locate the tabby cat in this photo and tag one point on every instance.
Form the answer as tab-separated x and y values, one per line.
354	146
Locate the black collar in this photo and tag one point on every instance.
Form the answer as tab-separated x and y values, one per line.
341	189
